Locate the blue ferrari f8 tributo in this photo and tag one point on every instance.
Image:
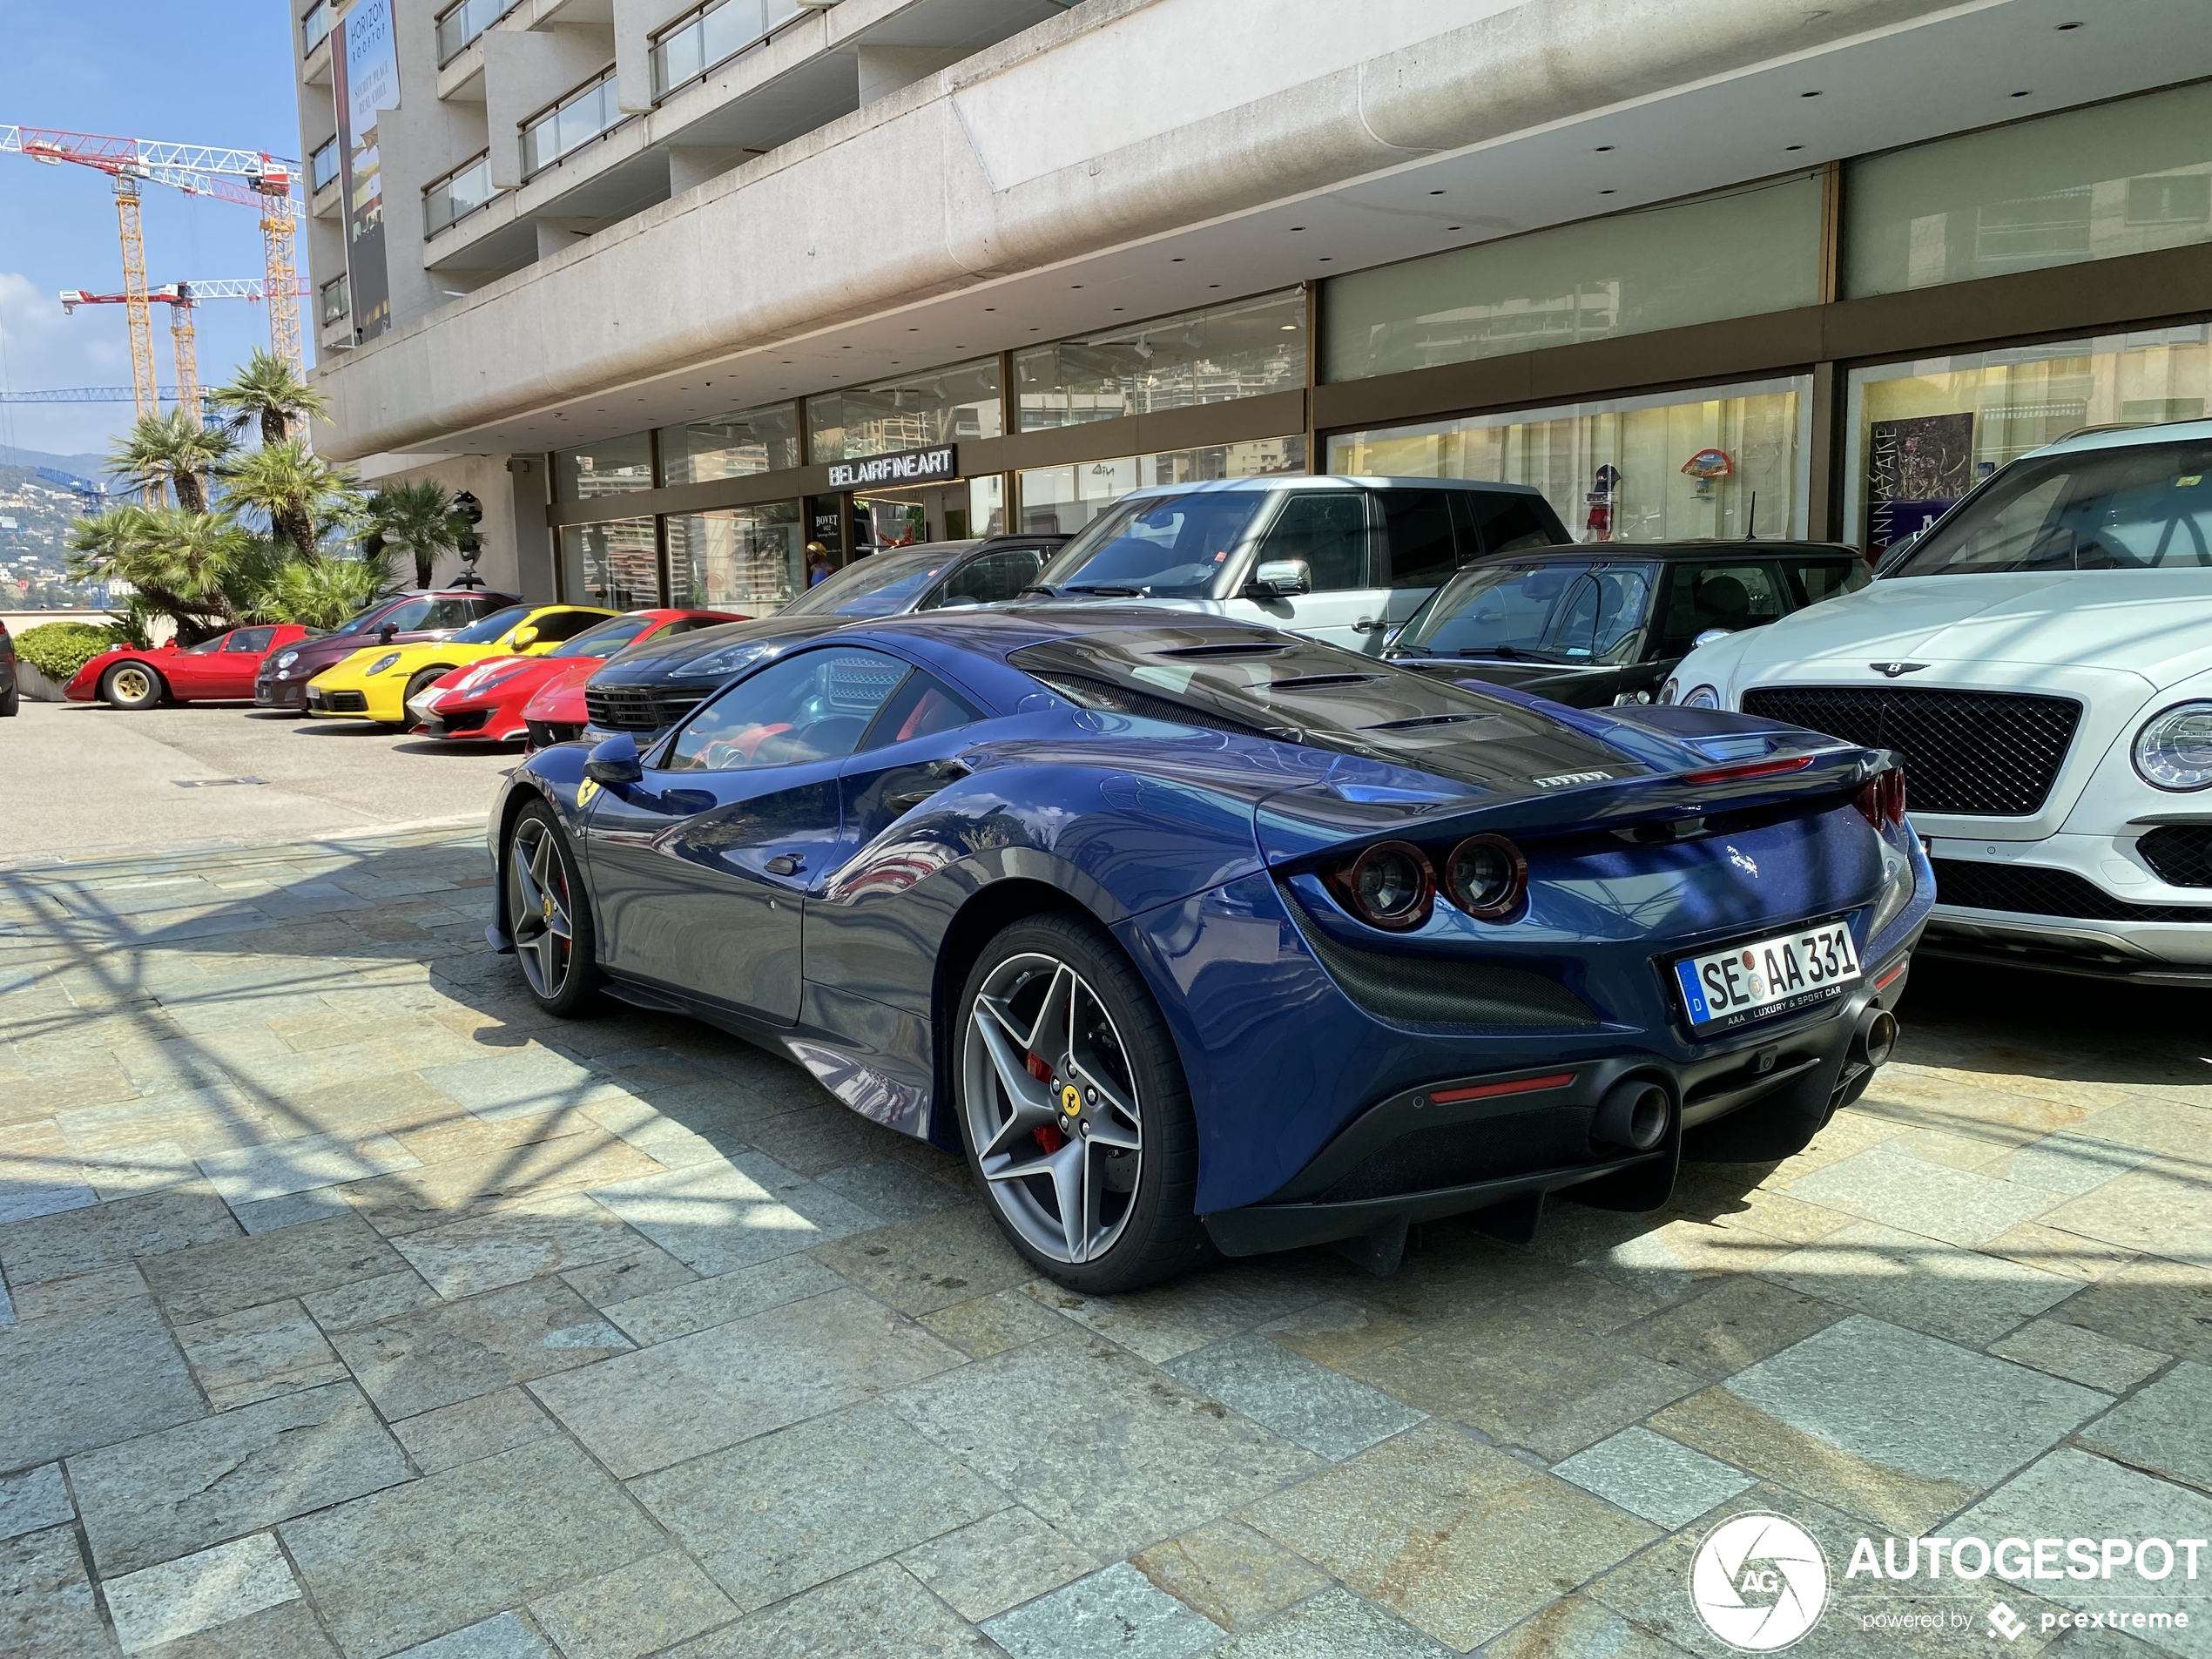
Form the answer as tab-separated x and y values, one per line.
1196	936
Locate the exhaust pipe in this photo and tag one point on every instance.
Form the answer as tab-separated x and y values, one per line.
1633	1114
1876	1038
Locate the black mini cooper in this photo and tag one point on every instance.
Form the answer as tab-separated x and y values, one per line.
1604	622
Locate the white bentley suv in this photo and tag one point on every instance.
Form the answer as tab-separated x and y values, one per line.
2041	659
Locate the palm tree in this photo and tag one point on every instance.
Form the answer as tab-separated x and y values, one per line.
267	390
420	519
172	449
300	492
193	567
323	594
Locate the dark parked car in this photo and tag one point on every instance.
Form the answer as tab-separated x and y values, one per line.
10	695
1603	623
1196	936
654	685
401	620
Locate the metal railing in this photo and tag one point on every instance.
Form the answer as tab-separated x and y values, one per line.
459	25
711	36
337	300
581	116
461	192
314	26
322	167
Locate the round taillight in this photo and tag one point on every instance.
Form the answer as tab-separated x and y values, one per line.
1391	885
1486	876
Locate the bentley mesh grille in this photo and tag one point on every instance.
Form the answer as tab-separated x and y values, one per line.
645	708
1437	992
2182	853
1990	754
2032	891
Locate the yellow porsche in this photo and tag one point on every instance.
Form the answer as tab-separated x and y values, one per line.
376	682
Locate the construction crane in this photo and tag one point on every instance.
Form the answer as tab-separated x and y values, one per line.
252	179
84	395
180	298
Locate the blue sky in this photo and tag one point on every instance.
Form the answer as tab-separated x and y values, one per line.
187	71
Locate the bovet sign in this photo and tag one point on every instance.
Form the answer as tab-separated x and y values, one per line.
907	467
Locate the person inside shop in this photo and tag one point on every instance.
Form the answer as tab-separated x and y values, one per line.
817	564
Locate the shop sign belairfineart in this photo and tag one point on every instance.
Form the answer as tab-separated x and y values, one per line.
907	467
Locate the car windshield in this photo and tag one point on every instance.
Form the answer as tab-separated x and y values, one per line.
361	619
1300	690
1560	611
491	627
1155	547
882	584
604	640
2141	508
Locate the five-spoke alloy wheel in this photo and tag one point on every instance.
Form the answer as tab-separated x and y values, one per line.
1074	1108
549	916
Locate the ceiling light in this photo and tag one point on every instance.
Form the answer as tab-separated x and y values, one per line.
1298	227
1605	192
1177	259
1436	193
1603	148
1793	146
1455	227
1290	328
1213	285
2023	95
1808	94
2065	26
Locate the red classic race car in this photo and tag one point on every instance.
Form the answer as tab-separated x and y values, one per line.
484	702
214	671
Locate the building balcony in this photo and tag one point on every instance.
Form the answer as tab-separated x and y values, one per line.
449	201
732	81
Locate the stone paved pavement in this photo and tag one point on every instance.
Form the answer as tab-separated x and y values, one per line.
351	1307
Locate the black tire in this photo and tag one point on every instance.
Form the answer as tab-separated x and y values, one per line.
131	686
1155	1233
560	972
11	701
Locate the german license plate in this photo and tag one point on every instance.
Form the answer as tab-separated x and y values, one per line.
1774	975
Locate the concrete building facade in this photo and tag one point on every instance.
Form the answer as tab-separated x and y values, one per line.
675	290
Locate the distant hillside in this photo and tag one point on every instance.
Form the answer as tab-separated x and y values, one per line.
82	466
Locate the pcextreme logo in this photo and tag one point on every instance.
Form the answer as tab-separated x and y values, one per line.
1759	1582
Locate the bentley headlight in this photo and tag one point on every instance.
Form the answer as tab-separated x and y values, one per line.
287	659
2173	750
383	663
1703	697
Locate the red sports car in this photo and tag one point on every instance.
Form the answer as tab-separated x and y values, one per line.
558	712
484	701
213	671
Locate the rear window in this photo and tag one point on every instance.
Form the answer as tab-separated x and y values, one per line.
2143	508
1302	691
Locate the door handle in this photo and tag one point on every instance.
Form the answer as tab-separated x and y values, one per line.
1368	625
784	864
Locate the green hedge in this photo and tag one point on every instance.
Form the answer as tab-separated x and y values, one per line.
57	650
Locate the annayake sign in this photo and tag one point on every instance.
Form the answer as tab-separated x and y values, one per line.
908	467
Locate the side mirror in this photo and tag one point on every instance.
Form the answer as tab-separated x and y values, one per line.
1710	635
1280	579
388	633
1896	553
615	761
521	637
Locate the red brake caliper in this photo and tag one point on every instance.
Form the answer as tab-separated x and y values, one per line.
1048	1138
